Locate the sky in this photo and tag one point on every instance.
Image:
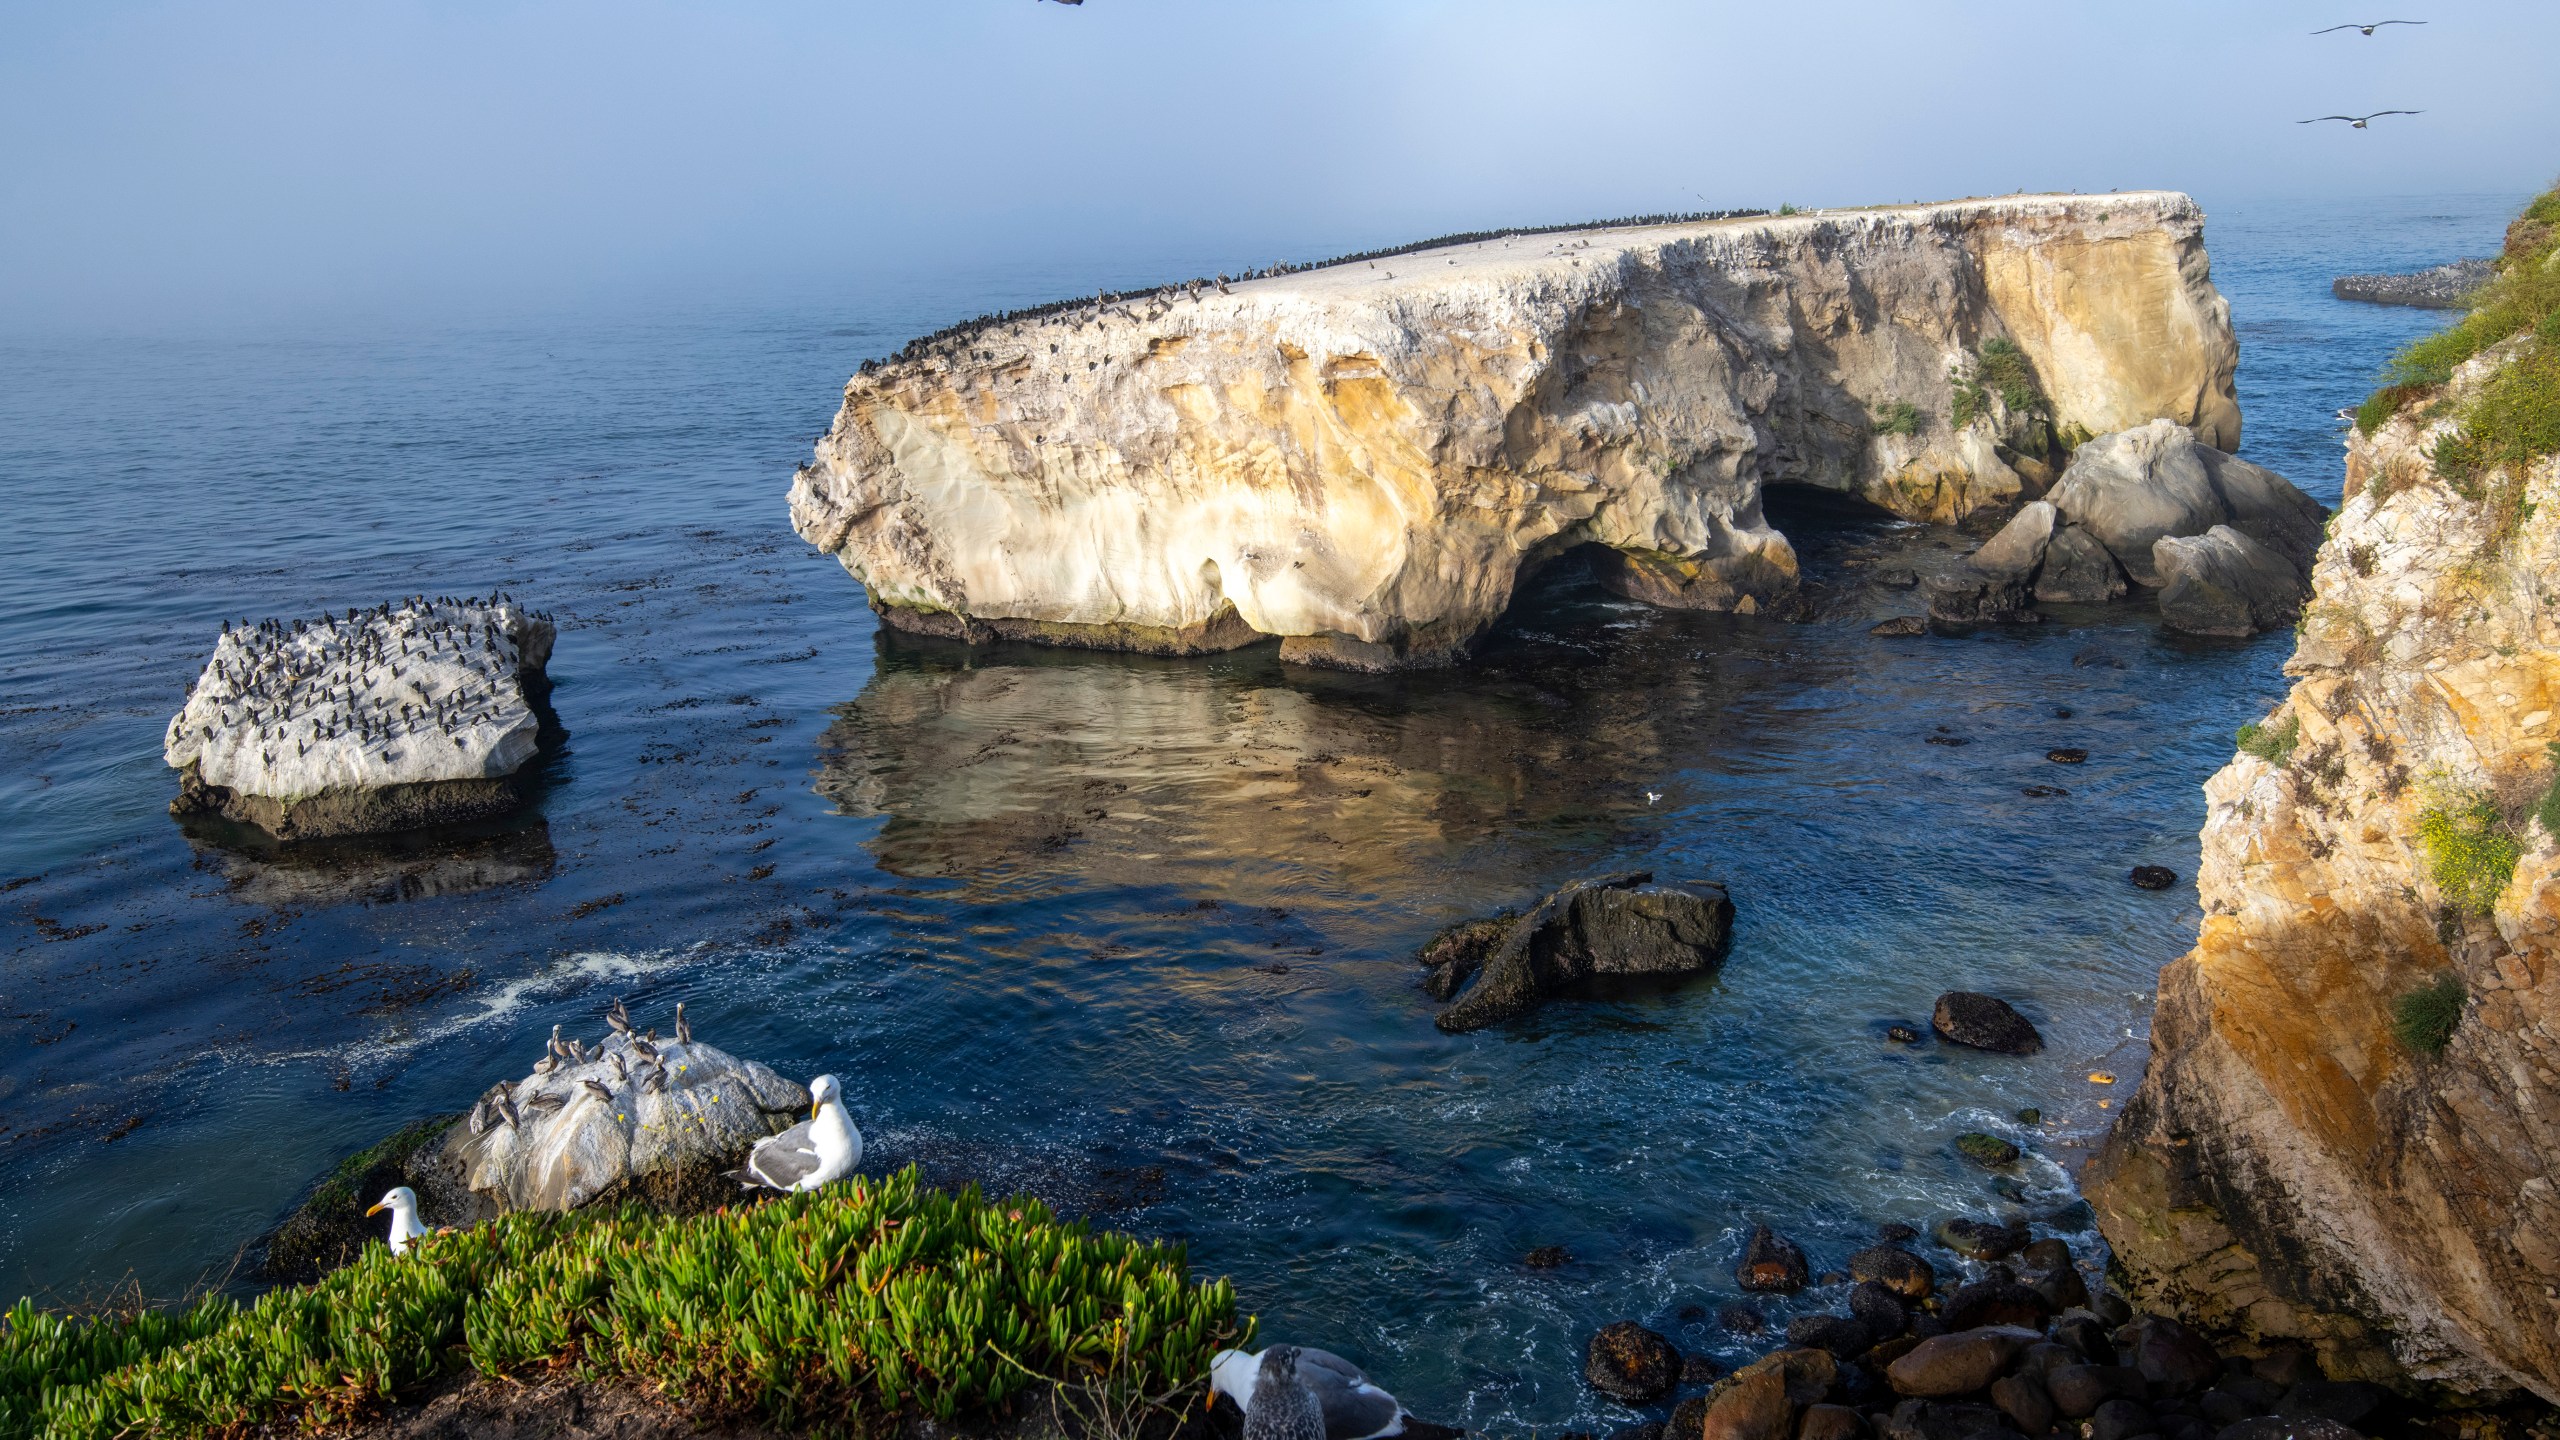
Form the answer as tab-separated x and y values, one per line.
181	161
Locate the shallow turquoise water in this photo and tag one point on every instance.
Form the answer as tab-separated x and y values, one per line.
1131	933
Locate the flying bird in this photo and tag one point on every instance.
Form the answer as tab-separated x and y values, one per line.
2366	29
2358	121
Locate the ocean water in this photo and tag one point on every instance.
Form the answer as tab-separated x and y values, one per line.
1131	934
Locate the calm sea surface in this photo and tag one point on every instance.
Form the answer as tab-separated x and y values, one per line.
1132	934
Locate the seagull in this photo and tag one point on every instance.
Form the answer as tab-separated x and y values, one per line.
2358	121
2364	28
402	1202
822	1148
1352	1408
1284	1408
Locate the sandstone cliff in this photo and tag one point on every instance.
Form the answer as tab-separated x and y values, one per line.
1364	458
2350	1126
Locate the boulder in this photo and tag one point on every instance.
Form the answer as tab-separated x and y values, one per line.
1967	596
1586	937
1988	1151
1841	1335
1996	1302
1959	1362
1831	1422
1900	627
2078	570
2022	1399
2173	1359
1809	1374
396	718
1631	1364
1753	1407
1895	1269
2133	488
2348	1402
2019	547
2046	1254
1980	1239
2063	1289
1771	1264
2078	1390
1876	1306
2152	877
1984	1023
2121	1420
1917	1419
2222	582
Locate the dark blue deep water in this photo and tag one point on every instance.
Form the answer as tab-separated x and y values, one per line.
1132	934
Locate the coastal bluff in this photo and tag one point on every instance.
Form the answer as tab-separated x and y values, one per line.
1364	458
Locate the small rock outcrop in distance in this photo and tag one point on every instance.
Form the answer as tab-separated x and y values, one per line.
1984	1022
409	714
2438	287
2348	1132
1363	459
1591	933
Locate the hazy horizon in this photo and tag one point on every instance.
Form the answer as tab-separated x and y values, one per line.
175	164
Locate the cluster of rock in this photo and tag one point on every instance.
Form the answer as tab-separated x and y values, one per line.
1576	943
2227	545
407	714
1362	460
2294	1166
2022	1350
2438	287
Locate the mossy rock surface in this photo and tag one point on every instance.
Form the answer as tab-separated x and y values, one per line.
330	1228
1989	1151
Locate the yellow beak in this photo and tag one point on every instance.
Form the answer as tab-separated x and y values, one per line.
376	1210
813	1109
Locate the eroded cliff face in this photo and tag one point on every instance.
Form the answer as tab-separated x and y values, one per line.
1364	458
2290	1168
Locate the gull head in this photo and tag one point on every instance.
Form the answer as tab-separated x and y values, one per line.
822	1090
396	1199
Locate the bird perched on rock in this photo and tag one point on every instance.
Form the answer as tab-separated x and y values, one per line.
1347	1405
684	1027
820	1149
1282	1408
402	1202
597	1090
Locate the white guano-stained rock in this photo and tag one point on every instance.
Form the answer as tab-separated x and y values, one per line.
403	715
1365	458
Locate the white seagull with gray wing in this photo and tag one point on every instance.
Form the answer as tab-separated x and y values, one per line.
823	1148
1353	1409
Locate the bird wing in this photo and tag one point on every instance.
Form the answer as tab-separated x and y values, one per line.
1353	1408
2378	114
784	1160
2378	24
2316	119
2335	28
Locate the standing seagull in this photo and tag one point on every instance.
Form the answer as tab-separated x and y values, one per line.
2358	121
2364	28
402	1202
822	1148
1351	1407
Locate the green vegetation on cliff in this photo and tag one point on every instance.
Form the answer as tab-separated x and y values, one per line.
2424	1019
2471	851
2514	418
840	1308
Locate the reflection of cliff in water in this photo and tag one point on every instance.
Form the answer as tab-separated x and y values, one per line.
1006	762
384	869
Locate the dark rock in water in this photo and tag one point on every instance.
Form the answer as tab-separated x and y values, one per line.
1459	951
1742	1319
1899	627
1894	1268
1831	1422
2067	756
1591	933
2030	1115
1629	1363
1894	1232
2096	659
1988	1151
1688	1418
2348	1402
1996	1302
1902	1034
1841	1335
1875	1306
1966	596
1897	577
2022	1399
1700	1369
1985	1023
2061	712
2438	287
1771	1264
2046	1255
1690	1314
1547	1257
2278	1427
1943	738
2152	877
1981	1240
2173	1359
1751	1406
2121	1420
2078	570
1959	1362
2223	582
2078	1390
2042	792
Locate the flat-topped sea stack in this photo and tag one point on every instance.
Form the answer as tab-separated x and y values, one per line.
409	714
1364	458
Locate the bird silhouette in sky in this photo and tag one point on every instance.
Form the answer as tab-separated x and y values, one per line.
2365	29
2361	122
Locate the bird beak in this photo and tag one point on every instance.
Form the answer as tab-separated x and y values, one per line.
376	1210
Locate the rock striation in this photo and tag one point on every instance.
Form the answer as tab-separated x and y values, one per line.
408	714
2349	1130
1363	459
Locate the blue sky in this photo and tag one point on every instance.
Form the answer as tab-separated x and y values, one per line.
183	158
